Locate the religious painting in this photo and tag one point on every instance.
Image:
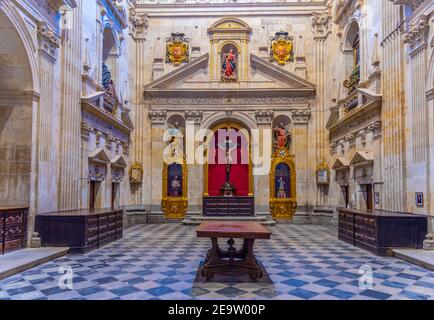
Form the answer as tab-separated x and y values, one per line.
229	63
283	181
282	48
174	180
177	49
419	200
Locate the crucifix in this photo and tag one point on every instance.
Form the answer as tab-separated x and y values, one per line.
228	189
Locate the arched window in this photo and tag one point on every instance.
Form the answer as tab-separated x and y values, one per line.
110	57
352	48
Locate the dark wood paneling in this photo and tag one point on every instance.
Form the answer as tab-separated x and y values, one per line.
228	206
82	231
13	229
380	231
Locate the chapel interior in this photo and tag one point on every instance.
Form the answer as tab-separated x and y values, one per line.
133	119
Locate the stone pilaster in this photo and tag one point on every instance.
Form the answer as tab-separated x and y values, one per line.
393	166
158	120
264	120
69	155
301	148
321	26
418	160
46	187
195	170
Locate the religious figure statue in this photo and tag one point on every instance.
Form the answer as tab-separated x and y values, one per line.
281	193
176	187
107	82
229	65
228	189
282	137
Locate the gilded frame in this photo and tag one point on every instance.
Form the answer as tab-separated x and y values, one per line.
175	207
283	208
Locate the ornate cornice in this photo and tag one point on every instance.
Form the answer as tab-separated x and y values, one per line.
321	24
139	24
301	116
264	117
193	116
416	36
49	42
230	101
413	4
157	116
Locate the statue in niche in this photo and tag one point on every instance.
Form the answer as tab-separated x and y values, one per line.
282	137
176	140
229	65
107	81
281	192
176	187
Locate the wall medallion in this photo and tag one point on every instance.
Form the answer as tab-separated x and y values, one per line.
177	49
282	48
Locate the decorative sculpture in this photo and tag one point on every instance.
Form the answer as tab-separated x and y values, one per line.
177	49
283	196
282	137
229	65
281	47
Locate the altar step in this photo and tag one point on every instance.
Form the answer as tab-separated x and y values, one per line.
197	220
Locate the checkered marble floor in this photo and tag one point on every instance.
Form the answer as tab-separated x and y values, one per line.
161	262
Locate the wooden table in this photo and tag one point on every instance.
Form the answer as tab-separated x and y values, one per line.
243	259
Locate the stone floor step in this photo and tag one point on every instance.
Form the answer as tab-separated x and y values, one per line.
25	259
421	258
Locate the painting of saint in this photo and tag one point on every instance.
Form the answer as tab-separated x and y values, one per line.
229	65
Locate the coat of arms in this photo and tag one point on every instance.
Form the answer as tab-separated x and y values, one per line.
281	47
177	49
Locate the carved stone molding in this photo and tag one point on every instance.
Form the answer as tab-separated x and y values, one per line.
193	116
301	116
321	23
86	129
416	36
230	101
157	116
49	42
413	4
375	128
264	117
139	24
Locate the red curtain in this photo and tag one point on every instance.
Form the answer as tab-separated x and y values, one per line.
217	168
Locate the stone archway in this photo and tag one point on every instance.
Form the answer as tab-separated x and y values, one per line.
18	144
16	100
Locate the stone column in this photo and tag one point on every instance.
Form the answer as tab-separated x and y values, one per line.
195	171
418	163
301	148
70	116
46	186
264	120
141	136
158	121
321	29
394	190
